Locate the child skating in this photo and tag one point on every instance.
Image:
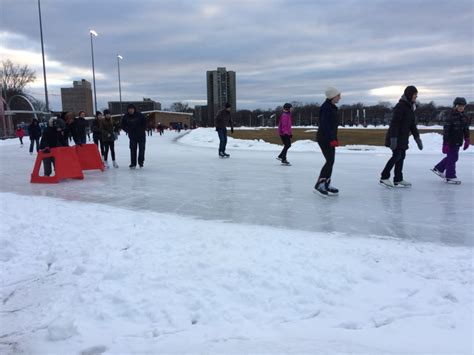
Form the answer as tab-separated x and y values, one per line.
284	130
456	130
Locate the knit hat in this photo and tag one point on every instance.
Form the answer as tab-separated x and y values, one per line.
459	101
227	105
331	93
106	112
287	106
409	92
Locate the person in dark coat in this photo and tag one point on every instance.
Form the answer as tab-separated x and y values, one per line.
81	124
327	140
224	119
34	131
97	133
455	133
403	123
107	128
134	124
69	131
53	137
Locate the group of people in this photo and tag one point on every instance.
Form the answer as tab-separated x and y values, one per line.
65	128
403	123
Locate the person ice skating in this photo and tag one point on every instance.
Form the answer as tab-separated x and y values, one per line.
403	122
80	124
284	130
224	119
108	138
455	135
53	136
34	131
69	131
20	133
97	133
134	124
327	140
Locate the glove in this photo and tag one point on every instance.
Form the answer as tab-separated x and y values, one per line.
393	143
466	144
419	143
232	130
445	149
46	150
334	143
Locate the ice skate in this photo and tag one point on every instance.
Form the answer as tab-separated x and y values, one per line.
452	181
438	173
402	183
386	183
285	162
115	164
320	189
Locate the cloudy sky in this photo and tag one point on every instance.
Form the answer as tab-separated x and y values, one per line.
281	50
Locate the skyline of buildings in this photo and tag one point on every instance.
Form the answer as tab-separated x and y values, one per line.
221	88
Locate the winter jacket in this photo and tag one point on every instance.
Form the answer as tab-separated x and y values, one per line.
223	119
80	125
107	130
53	138
403	122
284	126
328	123
456	129
20	133
134	125
95	128
34	130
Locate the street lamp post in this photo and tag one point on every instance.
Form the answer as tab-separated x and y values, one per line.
93	34
44	64
119	58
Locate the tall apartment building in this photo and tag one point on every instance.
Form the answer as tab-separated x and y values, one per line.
220	89
145	105
78	98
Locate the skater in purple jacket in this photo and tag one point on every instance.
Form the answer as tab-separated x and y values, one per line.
284	130
456	130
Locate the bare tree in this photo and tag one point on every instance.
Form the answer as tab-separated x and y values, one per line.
15	77
179	107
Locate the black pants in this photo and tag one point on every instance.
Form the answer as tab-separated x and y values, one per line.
47	164
134	143
111	146
398	156
98	143
287	144
329	154
21	140
32	143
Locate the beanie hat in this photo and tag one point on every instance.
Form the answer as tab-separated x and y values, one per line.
227	105
409	92
287	106
106	112
98	113
131	106
459	101
331	93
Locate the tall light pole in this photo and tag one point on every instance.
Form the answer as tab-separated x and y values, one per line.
119	58
44	64
93	34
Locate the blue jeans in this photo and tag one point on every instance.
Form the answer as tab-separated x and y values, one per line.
222	132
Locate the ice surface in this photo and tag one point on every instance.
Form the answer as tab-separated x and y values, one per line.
252	187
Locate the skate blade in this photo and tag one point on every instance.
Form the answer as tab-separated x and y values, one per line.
453	182
386	186
316	192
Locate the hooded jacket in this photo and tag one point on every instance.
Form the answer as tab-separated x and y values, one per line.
134	125
284	126
403	123
34	130
456	129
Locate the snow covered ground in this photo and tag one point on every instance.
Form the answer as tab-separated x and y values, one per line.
194	254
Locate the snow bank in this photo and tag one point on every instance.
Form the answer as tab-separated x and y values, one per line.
88	278
207	137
